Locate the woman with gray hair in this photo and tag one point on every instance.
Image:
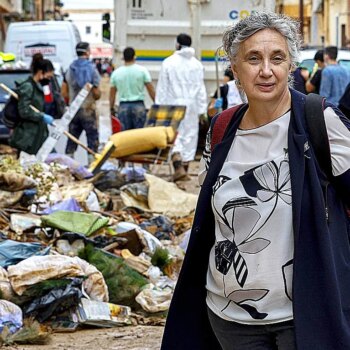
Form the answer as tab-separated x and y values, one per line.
268	261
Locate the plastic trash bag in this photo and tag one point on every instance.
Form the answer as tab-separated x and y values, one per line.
186	238
70	204
153	299
147	238
12	182
109	179
10	316
75	167
56	301
85	223
160	226
134	174
12	252
42	268
6	291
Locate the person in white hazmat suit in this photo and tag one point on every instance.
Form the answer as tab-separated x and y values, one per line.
181	82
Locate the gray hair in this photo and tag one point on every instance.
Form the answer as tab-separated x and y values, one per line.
248	26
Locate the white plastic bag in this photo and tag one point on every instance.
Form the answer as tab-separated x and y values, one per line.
153	299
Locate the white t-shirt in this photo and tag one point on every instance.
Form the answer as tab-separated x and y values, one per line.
249	277
234	98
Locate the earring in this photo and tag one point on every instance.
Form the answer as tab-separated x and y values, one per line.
238	82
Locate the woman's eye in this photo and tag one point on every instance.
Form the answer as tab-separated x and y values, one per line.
253	59
278	59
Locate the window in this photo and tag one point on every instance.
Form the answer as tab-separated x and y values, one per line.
88	30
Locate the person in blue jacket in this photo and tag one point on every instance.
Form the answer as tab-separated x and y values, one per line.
268	261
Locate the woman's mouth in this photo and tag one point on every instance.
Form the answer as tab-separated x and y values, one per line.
266	86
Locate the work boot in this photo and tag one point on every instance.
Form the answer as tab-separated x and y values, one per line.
186	165
180	172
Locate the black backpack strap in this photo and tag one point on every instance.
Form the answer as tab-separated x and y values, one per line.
317	129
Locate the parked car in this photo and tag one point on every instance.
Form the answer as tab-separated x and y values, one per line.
306	58
8	77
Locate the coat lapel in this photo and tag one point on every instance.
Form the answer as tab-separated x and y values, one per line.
298	151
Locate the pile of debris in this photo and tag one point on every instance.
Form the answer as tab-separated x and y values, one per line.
78	249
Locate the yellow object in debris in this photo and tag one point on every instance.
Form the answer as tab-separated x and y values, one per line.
141	140
7	57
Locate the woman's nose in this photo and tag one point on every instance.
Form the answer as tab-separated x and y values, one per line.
266	68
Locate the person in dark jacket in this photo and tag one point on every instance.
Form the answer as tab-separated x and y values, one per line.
80	72
300	77
314	82
32	131
267	265
54	103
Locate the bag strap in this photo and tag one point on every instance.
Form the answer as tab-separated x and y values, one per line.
317	129
221	123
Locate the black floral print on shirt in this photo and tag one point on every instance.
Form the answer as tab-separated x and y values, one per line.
268	182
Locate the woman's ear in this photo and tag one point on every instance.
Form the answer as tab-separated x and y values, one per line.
234	70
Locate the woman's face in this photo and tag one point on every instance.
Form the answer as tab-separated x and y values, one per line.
40	75
262	66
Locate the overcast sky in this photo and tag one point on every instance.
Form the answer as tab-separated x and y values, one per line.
87	4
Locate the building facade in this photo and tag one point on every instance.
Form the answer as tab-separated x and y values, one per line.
6	8
325	22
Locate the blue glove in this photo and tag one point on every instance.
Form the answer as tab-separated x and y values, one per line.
218	103
48	119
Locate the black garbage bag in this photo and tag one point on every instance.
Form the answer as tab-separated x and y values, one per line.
160	226
109	179
55	301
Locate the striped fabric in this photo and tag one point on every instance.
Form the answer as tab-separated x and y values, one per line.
165	115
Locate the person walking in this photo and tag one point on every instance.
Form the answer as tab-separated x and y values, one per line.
129	81
32	131
300	77
314	82
335	78
80	72
181	82
230	94
54	102
267	264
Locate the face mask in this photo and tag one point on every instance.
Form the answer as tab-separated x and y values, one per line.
44	81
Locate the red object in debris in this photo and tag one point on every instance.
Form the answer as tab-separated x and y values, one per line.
116	124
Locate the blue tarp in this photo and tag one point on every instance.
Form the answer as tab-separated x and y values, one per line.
12	252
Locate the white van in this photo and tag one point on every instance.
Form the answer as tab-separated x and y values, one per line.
56	40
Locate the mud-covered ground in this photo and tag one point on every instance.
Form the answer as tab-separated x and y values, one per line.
121	338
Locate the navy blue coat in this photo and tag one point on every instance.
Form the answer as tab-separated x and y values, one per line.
321	275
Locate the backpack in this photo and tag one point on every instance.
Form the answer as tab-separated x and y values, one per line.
10	115
315	122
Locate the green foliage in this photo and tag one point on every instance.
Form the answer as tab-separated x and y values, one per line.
39	289
161	258
123	282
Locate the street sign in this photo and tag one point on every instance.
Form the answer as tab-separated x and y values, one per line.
60	126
